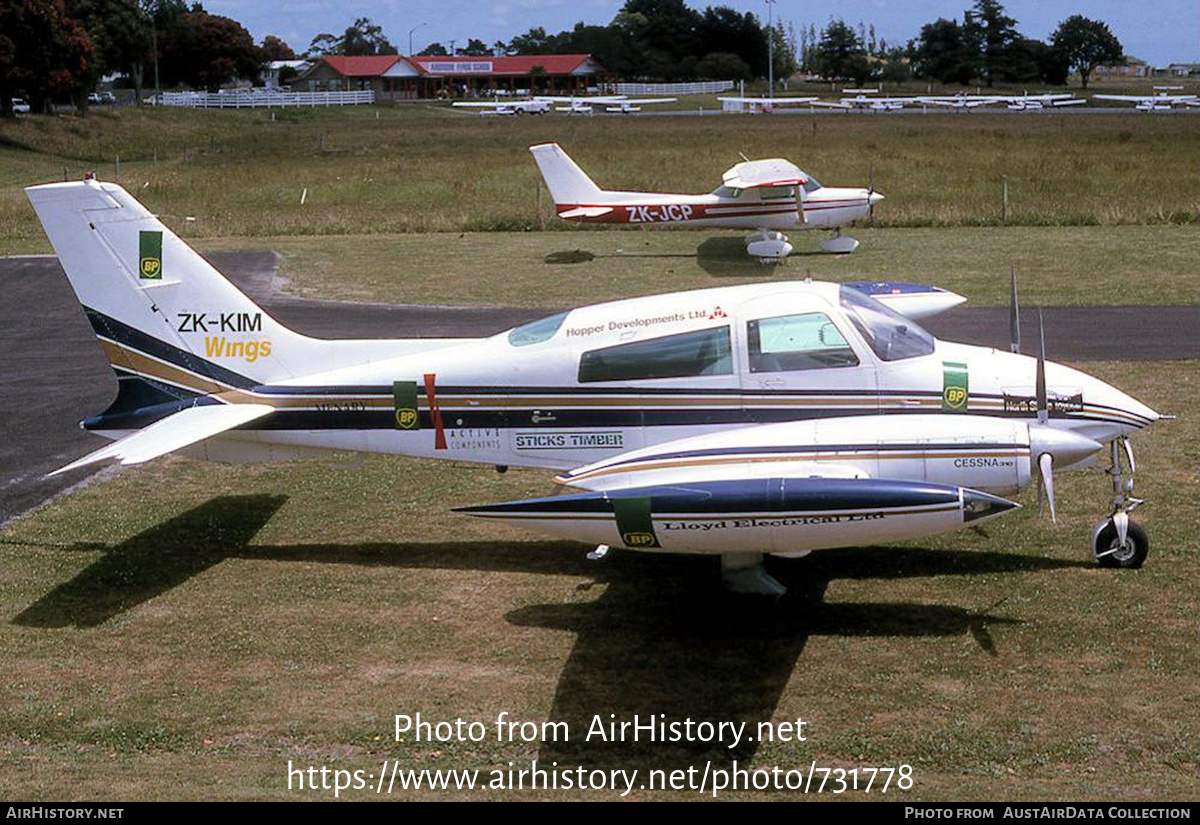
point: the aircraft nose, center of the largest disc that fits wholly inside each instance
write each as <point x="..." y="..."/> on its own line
<point x="874" y="198"/>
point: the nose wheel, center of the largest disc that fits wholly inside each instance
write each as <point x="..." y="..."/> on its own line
<point x="1118" y="541"/>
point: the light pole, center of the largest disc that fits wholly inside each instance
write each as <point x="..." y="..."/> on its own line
<point x="410" y="34"/>
<point x="770" y="48"/>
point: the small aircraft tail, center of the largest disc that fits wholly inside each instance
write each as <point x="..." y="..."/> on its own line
<point x="191" y="352"/>
<point x="160" y="310"/>
<point x="568" y="184"/>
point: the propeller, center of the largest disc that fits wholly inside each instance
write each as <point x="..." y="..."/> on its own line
<point x="1045" y="461"/>
<point x="871" y="193"/>
<point x="1014" y="312"/>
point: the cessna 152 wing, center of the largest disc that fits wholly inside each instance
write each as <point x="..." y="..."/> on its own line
<point x="537" y="106"/>
<point x="1160" y="102"/>
<point x="738" y="421"/>
<point x="765" y="195"/>
<point x="619" y="104"/>
<point x="755" y="105"/>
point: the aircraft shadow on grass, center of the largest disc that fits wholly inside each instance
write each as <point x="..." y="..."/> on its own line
<point x="723" y="256"/>
<point x="662" y="638"/>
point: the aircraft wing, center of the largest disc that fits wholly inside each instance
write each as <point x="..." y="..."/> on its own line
<point x="752" y="174"/>
<point x="174" y="432"/>
<point x="769" y="101"/>
<point x="648" y="100"/>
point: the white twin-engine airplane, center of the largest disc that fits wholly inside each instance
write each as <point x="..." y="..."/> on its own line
<point x="738" y="421"/>
<point x="765" y="195"/>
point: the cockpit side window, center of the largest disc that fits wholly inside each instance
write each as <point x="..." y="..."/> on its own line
<point x="776" y="193"/>
<point x="702" y="352"/>
<point x="807" y="341"/>
<point x="535" y="332"/>
<point x="889" y="334"/>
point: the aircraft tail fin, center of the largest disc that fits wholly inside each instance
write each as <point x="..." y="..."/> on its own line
<point x="568" y="184"/>
<point x="160" y="310"/>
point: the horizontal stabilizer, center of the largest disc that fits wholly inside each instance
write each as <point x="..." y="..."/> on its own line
<point x="585" y="212"/>
<point x="174" y="432"/>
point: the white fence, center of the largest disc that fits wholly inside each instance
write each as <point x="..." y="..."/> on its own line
<point x="262" y="98"/>
<point x="710" y="87"/>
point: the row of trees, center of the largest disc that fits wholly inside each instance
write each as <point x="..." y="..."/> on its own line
<point x="985" y="45"/>
<point x="59" y="49"/>
<point x="664" y="39"/>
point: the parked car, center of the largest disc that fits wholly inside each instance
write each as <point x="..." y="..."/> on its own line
<point x="20" y="105"/>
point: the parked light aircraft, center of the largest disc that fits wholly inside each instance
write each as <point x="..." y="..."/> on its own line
<point x="534" y="106"/>
<point x="756" y="105"/>
<point x="1022" y="102"/>
<point x="765" y="195"/>
<point x="765" y="418"/>
<point x="619" y="104"/>
<point x="1160" y="101"/>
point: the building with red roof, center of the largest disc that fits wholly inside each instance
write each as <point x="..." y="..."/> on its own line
<point x="397" y="77"/>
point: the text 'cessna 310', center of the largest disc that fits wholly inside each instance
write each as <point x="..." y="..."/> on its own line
<point x="769" y="196"/>
<point x="739" y="421"/>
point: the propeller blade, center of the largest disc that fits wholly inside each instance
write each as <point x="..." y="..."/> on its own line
<point x="1043" y="409"/>
<point x="871" y="192"/>
<point x="1014" y="312"/>
<point x="1046" y="482"/>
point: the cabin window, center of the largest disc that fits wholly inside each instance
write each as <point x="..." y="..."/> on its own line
<point x="703" y="352"/>
<point x="535" y="332"/>
<point x="889" y="334"/>
<point x="808" y="341"/>
<point x="776" y="193"/>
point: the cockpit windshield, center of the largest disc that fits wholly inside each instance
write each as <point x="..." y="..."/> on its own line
<point x="890" y="335"/>
<point x="724" y="191"/>
<point x="535" y="332"/>
<point x="812" y="185"/>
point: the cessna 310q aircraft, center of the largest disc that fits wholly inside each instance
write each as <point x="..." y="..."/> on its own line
<point x="766" y="195"/>
<point x="739" y="421"/>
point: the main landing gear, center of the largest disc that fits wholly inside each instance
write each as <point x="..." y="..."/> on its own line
<point x="768" y="246"/>
<point x="1118" y="541"/>
<point x="839" y="244"/>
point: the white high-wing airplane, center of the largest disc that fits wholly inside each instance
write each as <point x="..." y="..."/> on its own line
<point x="612" y="103"/>
<point x="1160" y="101"/>
<point x="535" y="106"/>
<point x="756" y="105"/>
<point x="765" y="195"/>
<point x="1021" y="102"/>
<point x="738" y="421"/>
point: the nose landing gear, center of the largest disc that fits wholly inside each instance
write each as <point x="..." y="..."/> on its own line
<point x="1118" y="541"/>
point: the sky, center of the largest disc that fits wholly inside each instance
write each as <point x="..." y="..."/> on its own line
<point x="1161" y="32"/>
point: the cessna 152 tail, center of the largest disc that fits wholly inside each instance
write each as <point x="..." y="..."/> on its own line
<point x="739" y="421"/>
<point x="766" y="195"/>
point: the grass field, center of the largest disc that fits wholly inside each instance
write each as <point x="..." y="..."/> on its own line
<point x="1056" y="265"/>
<point x="419" y="169"/>
<point x="183" y="630"/>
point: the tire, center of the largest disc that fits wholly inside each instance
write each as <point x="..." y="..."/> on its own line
<point x="1130" y="557"/>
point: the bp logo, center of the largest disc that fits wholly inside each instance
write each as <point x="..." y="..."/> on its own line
<point x="406" y="419"/>
<point x="955" y="388"/>
<point x="638" y="539"/>
<point x="150" y="255"/>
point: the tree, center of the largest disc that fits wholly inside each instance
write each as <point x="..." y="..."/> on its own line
<point x="534" y="41"/>
<point x="475" y="48"/>
<point x="122" y="38"/>
<point x="434" y="49"/>
<point x="783" y="53"/>
<point x="722" y="30"/>
<point x="722" y="66"/>
<point x="44" y="53"/>
<point x="840" y="54"/>
<point x="994" y="34"/>
<point x="1085" y="44"/>
<point x="944" y="53"/>
<point x="273" y="48"/>
<point x="365" y="37"/>
<point x="205" y="51"/>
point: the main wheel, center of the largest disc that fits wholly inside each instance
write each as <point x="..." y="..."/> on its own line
<point x="1128" y="556"/>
